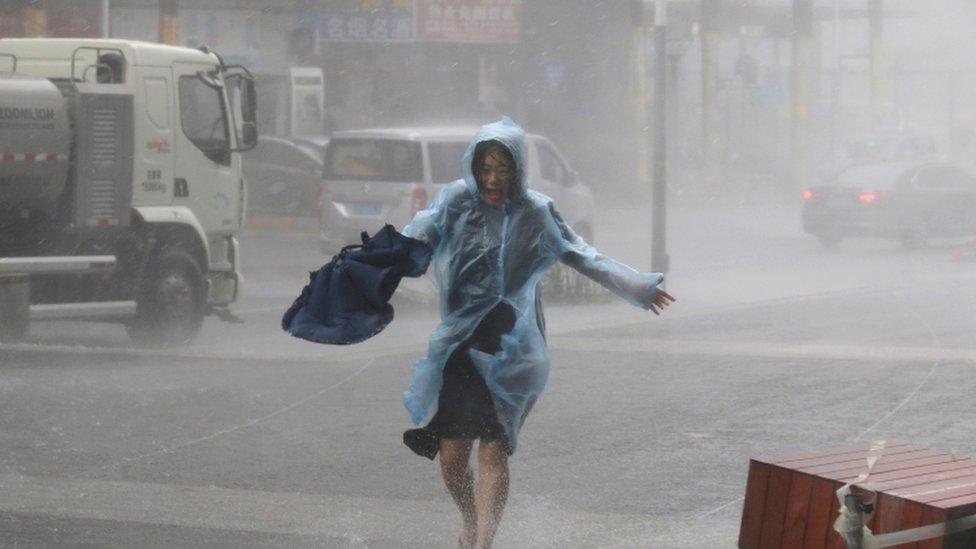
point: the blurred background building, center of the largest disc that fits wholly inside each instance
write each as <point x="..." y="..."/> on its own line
<point x="761" y="93"/>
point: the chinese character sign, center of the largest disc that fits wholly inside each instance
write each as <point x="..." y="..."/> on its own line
<point x="495" y="21"/>
<point x="389" y="25"/>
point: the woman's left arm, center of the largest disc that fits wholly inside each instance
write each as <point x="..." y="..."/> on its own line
<point x="640" y="289"/>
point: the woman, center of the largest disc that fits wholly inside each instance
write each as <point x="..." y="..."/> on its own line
<point x="493" y="240"/>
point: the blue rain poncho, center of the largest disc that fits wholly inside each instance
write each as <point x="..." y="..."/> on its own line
<point x="485" y="255"/>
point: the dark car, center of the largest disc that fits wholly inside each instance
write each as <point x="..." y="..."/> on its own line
<point x="908" y="202"/>
<point x="283" y="177"/>
<point x="887" y="145"/>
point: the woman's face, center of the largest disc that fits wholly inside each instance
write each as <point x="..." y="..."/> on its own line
<point x="496" y="176"/>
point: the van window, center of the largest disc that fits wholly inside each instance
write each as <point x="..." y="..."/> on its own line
<point x="374" y="160"/>
<point x="445" y="160"/>
<point x="550" y="165"/>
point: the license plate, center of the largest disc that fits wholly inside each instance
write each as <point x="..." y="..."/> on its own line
<point x="365" y="209"/>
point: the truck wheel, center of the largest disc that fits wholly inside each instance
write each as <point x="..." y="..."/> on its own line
<point x="172" y="301"/>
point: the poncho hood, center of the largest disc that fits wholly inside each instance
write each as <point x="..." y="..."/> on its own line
<point x="508" y="133"/>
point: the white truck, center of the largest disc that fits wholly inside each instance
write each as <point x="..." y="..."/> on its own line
<point x="120" y="184"/>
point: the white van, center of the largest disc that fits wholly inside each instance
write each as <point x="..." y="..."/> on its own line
<point x="372" y="177"/>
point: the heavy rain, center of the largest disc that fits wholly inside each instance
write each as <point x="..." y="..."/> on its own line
<point x="173" y="173"/>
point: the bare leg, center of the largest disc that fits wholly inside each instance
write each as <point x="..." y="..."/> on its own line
<point x="456" y="470"/>
<point x="492" y="490"/>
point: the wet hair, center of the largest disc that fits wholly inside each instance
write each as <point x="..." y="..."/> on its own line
<point x="483" y="149"/>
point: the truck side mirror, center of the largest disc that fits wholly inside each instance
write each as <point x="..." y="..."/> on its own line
<point x="249" y="136"/>
<point x="241" y="90"/>
<point x="249" y="108"/>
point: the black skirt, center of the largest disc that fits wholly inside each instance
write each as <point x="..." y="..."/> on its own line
<point x="465" y="409"/>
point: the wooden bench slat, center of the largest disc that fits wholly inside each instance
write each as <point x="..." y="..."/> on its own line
<point x="774" y="509"/>
<point x="855" y="457"/>
<point x="752" y="507"/>
<point x="904" y="466"/>
<point x="819" y="523"/>
<point x="797" y="510"/>
<point x="840" y="469"/>
<point x="919" y="475"/>
<point x="861" y="448"/>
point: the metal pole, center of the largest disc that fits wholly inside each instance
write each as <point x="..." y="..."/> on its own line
<point x="659" y="255"/>
<point x="639" y="17"/>
<point x="709" y="73"/>
<point x="105" y="19"/>
<point x="802" y="90"/>
<point x="876" y="51"/>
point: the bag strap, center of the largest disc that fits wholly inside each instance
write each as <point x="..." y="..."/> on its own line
<point x="349" y="247"/>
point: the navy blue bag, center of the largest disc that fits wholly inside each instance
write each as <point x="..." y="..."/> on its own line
<point x="347" y="300"/>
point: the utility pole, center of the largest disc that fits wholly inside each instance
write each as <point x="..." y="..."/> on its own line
<point x="709" y="33"/>
<point x="802" y="91"/>
<point x="659" y="255"/>
<point x="105" y="19"/>
<point x="638" y="17"/>
<point x="876" y="53"/>
<point x="169" y="22"/>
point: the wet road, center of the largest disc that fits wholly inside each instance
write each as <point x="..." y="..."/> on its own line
<point x="250" y="438"/>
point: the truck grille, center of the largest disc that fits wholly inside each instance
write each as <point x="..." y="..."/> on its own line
<point x="101" y="201"/>
<point x="104" y="160"/>
<point x="104" y="135"/>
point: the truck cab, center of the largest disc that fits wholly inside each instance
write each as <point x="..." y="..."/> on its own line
<point x="152" y="177"/>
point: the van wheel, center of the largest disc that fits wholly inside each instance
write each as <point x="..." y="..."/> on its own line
<point x="172" y="301"/>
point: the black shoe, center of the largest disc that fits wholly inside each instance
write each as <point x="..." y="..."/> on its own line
<point x="423" y="442"/>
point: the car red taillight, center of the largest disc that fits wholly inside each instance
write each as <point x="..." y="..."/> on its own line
<point x="418" y="200"/>
<point x="807" y="194"/>
<point x="868" y="198"/>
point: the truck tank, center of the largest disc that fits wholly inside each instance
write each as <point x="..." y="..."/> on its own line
<point x="35" y="142"/>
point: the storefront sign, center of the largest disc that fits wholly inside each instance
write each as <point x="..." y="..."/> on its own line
<point x="494" y="21"/>
<point x="367" y="21"/>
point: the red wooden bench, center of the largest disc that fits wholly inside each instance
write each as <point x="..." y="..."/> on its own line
<point x="791" y="500"/>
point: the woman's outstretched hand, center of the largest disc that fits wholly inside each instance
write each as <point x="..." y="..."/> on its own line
<point x="660" y="300"/>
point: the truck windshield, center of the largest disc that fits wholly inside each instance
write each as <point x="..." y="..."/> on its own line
<point x="202" y="114"/>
